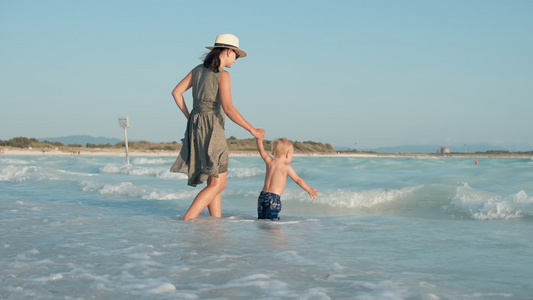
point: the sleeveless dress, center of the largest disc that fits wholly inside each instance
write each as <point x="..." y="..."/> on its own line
<point x="204" y="152"/>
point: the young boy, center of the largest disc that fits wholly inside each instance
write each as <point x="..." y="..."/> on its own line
<point x="277" y="170"/>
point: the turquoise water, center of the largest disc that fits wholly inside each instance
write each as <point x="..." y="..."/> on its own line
<point x="384" y="228"/>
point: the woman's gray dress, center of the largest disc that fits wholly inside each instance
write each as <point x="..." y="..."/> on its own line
<point x="205" y="151"/>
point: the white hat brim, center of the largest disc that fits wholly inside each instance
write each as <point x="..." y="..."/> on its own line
<point x="241" y="52"/>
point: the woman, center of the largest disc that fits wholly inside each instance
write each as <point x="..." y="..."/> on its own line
<point x="204" y="155"/>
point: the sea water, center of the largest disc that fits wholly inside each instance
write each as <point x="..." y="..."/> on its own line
<point x="80" y="227"/>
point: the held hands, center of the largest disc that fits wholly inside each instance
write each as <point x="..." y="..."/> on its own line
<point x="258" y="133"/>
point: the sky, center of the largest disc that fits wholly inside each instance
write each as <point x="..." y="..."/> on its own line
<point x="357" y="74"/>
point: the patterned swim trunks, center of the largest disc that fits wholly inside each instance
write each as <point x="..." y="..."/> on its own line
<point x="268" y="206"/>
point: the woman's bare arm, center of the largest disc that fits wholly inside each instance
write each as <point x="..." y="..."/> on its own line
<point x="178" y="92"/>
<point x="224" y="85"/>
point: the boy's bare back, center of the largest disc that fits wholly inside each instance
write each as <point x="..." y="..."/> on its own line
<point x="276" y="176"/>
<point x="277" y="170"/>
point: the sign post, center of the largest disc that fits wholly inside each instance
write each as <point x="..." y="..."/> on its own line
<point x="125" y="123"/>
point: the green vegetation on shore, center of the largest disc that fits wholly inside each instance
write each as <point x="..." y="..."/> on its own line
<point x="234" y="144"/>
<point x="247" y="145"/>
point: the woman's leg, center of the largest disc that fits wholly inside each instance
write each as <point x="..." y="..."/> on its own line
<point x="209" y="196"/>
<point x="215" y="207"/>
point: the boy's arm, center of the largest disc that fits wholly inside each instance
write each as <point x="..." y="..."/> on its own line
<point x="262" y="151"/>
<point x="292" y="174"/>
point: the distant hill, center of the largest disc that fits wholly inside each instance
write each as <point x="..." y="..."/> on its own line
<point x="82" y="140"/>
<point x="434" y="148"/>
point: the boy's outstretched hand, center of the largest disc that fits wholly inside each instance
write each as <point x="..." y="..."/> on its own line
<point x="313" y="193"/>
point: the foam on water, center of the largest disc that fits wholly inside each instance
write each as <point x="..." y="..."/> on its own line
<point x="75" y="173"/>
<point x="362" y="199"/>
<point x="16" y="173"/>
<point x="135" y="191"/>
<point x="13" y="161"/>
<point x="20" y="172"/>
<point x="151" y="161"/>
<point x="244" y="172"/>
<point x="482" y="205"/>
<point x="160" y="172"/>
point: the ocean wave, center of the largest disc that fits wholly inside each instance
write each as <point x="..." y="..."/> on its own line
<point x="164" y="172"/>
<point x="135" y="191"/>
<point x="76" y="173"/>
<point x="13" y="173"/>
<point x="13" y="161"/>
<point x="150" y="161"/>
<point x="360" y="199"/>
<point x="159" y="172"/>
<point x="21" y="173"/>
<point x="244" y="172"/>
<point x="113" y="168"/>
<point x="481" y="205"/>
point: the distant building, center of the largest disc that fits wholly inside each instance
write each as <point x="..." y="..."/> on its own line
<point x="444" y="150"/>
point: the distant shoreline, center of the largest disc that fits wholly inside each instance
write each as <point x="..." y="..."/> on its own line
<point x="162" y="153"/>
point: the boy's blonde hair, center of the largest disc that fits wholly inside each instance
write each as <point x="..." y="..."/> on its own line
<point x="281" y="146"/>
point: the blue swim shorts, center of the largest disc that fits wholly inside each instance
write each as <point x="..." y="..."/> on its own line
<point x="268" y="206"/>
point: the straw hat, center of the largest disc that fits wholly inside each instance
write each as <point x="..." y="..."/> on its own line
<point x="228" y="40"/>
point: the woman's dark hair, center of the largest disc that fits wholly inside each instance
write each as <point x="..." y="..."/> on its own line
<point x="212" y="59"/>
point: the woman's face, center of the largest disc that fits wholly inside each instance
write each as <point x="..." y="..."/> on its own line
<point x="231" y="57"/>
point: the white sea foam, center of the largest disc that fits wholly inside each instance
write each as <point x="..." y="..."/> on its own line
<point x="26" y="254"/>
<point x="159" y="172"/>
<point x="76" y="173"/>
<point x="21" y="173"/>
<point x="265" y="282"/>
<point x="51" y="277"/>
<point x="244" y="172"/>
<point x="293" y="257"/>
<point x="16" y="173"/>
<point x="360" y="199"/>
<point x="13" y="161"/>
<point x="150" y="161"/>
<point x="124" y="188"/>
<point x="166" y="174"/>
<point x="483" y="205"/>
<point x="163" y="288"/>
<point x="128" y="169"/>
<point x="135" y="191"/>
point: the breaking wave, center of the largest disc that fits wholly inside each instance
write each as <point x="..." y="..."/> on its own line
<point x="482" y="205"/>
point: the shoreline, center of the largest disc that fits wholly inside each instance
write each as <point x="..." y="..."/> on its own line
<point x="162" y="153"/>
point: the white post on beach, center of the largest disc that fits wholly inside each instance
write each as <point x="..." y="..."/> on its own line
<point x="125" y="123"/>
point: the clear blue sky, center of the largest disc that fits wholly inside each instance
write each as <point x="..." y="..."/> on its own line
<point x="374" y="73"/>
